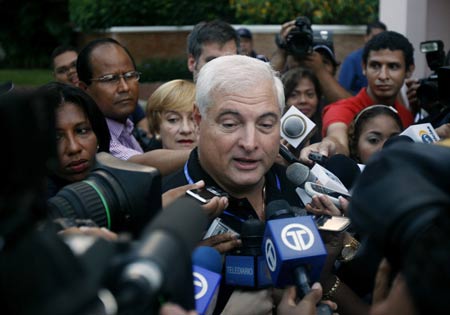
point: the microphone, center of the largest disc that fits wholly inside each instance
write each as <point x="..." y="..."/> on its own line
<point x="396" y="140"/>
<point x="161" y="261"/>
<point x="207" y="275"/>
<point x="287" y="155"/>
<point x="246" y="266"/>
<point x="422" y="133"/>
<point x="344" y="168"/>
<point x="295" y="126"/>
<point x="294" y="251"/>
<point x="298" y="174"/>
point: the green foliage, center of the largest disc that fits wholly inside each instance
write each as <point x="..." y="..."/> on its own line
<point x="349" y="12"/>
<point x="30" y="77"/>
<point x="158" y="69"/>
<point x="30" y="30"/>
<point x="89" y="15"/>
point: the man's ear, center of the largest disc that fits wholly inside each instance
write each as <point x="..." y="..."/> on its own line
<point x="191" y="63"/>
<point x="196" y="114"/>
<point x="363" y="67"/>
<point x="410" y="71"/>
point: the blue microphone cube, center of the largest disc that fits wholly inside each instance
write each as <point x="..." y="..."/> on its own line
<point x="206" y="288"/>
<point x="292" y="242"/>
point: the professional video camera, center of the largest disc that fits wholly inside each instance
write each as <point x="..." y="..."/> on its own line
<point x="118" y="195"/>
<point x="433" y="91"/>
<point x="299" y="41"/>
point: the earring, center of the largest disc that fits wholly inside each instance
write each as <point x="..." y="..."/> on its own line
<point x="98" y="147"/>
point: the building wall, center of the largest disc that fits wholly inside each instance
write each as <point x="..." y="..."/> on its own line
<point x="170" y="42"/>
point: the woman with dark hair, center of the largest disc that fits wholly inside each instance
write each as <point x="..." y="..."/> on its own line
<point x="302" y="90"/>
<point x="81" y="132"/>
<point x="370" y="129"/>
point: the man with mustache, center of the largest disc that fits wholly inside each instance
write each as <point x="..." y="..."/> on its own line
<point x="107" y="72"/>
<point x="387" y="61"/>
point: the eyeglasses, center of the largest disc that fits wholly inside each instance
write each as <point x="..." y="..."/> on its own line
<point x="114" y="79"/>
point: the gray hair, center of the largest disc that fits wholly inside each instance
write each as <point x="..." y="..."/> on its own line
<point x="234" y="74"/>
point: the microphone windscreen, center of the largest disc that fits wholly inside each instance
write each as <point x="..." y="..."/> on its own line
<point x="294" y="126"/>
<point x="297" y="173"/>
<point x="207" y="257"/>
<point x="278" y="209"/>
<point x="183" y="219"/>
<point x="346" y="169"/>
<point x="396" y="140"/>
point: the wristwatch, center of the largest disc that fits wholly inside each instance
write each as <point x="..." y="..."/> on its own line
<point x="349" y="250"/>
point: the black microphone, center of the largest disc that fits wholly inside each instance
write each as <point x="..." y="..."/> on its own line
<point x="287" y="155"/>
<point x="162" y="260"/>
<point x="246" y="267"/>
<point x="298" y="174"/>
<point x="346" y="169"/>
<point x="396" y="140"/>
<point x="294" y="251"/>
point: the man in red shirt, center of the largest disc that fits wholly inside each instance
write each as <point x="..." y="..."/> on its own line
<point x="387" y="61"/>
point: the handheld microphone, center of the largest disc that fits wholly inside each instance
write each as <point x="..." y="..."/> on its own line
<point x="298" y="174"/>
<point x="295" y="126"/>
<point x="162" y="260"/>
<point x="207" y="275"/>
<point x="396" y="140"/>
<point x="294" y="251"/>
<point x="344" y="168"/>
<point x="246" y="266"/>
<point x="422" y="133"/>
<point x="287" y="155"/>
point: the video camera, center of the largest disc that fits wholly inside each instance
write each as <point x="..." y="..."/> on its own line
<point x="118" y="195"/>
<point x="433" y="91"/>
<point x="299" y="41"/>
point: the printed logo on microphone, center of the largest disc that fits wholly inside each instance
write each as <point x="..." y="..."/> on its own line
<point x="200" y="285"/>
<point x="426" y="138"/>
<point x="297" y="237"/>
<point x="271" y="255"/>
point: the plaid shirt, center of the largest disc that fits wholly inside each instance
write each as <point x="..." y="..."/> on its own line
<point x="123" y="145"/>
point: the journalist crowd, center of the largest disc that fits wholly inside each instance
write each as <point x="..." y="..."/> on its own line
<point x="289" y="184"/>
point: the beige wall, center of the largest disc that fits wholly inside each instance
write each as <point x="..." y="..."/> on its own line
<point x="419" y="20"/>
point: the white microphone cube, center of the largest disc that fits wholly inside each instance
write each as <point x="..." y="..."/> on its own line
<point x="422" y="133"/>
<point x="295" y="126"/>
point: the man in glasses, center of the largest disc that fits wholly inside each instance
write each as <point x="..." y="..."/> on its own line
<point x="107" y="72"/>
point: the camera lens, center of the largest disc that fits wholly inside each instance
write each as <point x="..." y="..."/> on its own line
<point x="118" y="195"/>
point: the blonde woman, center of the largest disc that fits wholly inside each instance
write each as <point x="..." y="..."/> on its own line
<point x="169" y="111"/>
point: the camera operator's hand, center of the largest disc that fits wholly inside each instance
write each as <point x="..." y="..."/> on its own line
<point x="411" y="93"/>
<point x="307" y="305"/>
<point x="222" y="242"/>
<point x="279" y="57"/>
